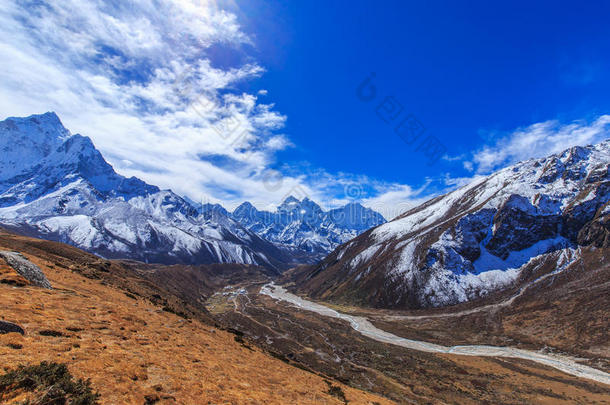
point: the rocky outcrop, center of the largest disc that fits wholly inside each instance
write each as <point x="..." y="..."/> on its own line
<point x="26" y="268"/>
<point x="518" y="225"/>
<point x="596" y="233"/>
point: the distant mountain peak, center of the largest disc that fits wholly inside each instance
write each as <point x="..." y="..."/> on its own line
<point x="355" y="204"/>
<point x="246" y="204"/>
<point x="305" y="225"/>
<point x="244" y="209"/>
<point x="213" y="209"/>
<point x="291" y="200"/>
<point x="25" y="142"/>
<point x="49" y="116"/>
<point x="48" y="124"/>
<point x="58" y="185"/>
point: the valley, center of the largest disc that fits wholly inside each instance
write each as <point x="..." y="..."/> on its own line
<point x="496" y="292"/>
<point x="364" y="327"/>
<point x="208" y="318"/>
<point x="353" y="350"/>
<point x="218" y="202"/>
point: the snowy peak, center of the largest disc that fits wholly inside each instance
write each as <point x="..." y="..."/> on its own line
<point x="78" y="156"/>
<point x="213" y="210"/>
<point x="40" y="129"/>
<point x="479" y="238"/>
<point x="305" y="225"/>
<point x="41" y="156"/>
<point x="357" y="217"/>
<point x="290" y="200"/>
<point x="244" y="209"/>
<point x="26" y="141"/>
<point x="59" y="186"/>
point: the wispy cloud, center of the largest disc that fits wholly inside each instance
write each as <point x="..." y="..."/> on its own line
<point x="394" y="199"/>
<point x="137" y="78"/>
<point x="538" y="140"/>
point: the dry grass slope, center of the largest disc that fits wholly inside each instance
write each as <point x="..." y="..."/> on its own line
<point x="133" y="350"/>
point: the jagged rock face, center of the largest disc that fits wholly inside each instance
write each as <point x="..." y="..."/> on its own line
<point x="477" y="239"/>
<point x="596" y="233"/>
<point x="58" y="186"/>
<point x="518" y="225"/>
<point x="304" y="225"/>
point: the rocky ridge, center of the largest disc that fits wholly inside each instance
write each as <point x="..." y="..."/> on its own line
<point x="486" y="236"/>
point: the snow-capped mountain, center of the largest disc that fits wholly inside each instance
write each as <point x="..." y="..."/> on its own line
<point x="304" y="225"/>
<point x="532" y="218"/>
<point x="58" y="186"/>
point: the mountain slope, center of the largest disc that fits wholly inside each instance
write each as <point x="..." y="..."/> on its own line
<point x="481" y="238"/>
<point x="58" y="186"/>
<point x="305" y="226"/>
<point x="137" y="341"/>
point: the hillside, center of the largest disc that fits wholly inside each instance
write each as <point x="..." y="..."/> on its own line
<point x="497" y="233"/>
<point x="121" y="331"/>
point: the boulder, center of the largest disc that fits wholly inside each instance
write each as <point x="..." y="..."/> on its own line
<point x="9" y="327"/>
<point x="26" y="268"/>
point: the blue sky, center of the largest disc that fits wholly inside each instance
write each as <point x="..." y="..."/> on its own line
<point x="470" y="72"/>
<point x="159" y="85"/>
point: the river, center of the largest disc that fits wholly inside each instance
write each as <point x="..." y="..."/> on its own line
<point x="366" y="328"/>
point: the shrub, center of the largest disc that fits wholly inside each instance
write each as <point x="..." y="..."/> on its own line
<point x="50" y="383"/>
<point x="48" y="332"/>
<point x="151" y="399"/>
<point x="173" y="311"/>
<point x="336" y="391"/>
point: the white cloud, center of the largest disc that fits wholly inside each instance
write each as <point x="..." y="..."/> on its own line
<point x="450" y="158"/>
<point x="538" y="140"/>
<point x="135" y="77"/>
<point x="395" y="199"/>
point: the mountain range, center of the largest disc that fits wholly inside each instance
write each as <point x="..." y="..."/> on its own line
<point x="529" y="220"/>
<point x="58" y="186"/>
<point x="304" y="225"/>
<point x="484" y="237"/>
